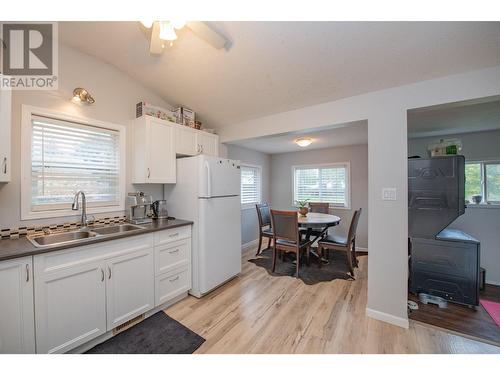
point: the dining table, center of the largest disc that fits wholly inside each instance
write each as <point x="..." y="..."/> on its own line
<point x="319" y="223"/>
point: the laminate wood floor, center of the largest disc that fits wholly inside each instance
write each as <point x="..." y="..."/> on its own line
<point x="457" y="318"/>
<point x="260" y="313"/>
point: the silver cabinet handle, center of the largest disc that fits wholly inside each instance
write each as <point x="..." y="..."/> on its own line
<point x="149" y="172"/>
<point x="102" y="275"/>
<point x="27" y="273"/>
<point x="174" y="279"/>
<point x="109" y="270"/>
<point x="173" y="235"/>
<point x="174" y="251"/>
<point x="5" y="165"/>
<point x="202" y="150"/>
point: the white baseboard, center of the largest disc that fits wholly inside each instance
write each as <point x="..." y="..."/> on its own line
<point x="250" y="244"/>
<point x="364" y="249"/>
<point x="388" y="318"/>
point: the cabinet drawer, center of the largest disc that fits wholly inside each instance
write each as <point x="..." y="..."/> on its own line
<point x="172" y="255"/>
<point x="172" y="284"/>
<point x="171" y="235"/>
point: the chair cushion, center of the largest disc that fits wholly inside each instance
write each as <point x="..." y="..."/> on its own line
<point x="290" y="243"/>
<point x="335" y="239"/>
<point x="267" y="232"/>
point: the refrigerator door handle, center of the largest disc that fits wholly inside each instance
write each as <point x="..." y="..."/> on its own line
<point x="209" y="180"/>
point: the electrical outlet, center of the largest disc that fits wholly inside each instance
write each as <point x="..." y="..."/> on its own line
<point x="389" y="194"/>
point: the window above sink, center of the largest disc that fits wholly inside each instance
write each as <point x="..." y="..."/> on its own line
<point x="62" y="154"/>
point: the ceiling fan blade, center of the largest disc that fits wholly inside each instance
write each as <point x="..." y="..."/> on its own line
<point x="208" y="34"/>
<point x="156" y="45"/>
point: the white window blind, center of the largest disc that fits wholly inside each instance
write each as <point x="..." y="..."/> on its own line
<point x="250" y="185"/>
<point x="67" y="157"/>
<point x="322" y="184"/>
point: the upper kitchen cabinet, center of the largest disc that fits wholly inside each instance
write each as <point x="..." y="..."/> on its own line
<point x="5" y="125"/>
<point x="190" y="142"/>
<point x="186" y="142"/>
<point x="153" y="144"/>
<point x="208" y="143"/>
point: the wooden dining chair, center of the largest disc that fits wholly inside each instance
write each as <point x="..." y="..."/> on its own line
<point x="265" y="229"/>
<point x="287" y="238"/>
<point x="320" y="207"/>
<point x="347" y="244"/>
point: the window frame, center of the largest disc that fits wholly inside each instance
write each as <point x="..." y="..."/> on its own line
<point x="27" y="213"/>
<point x="251" y="205"/>
<point x="484" y="189"/>
<point x="346" y="164"/>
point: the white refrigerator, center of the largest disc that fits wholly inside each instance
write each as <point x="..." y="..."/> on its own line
<point x="208" y="193"/>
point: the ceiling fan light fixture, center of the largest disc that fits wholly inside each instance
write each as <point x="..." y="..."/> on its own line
<point x="178" y="24"/>
<point x="147" y="24"/>
<point x="303" y="142"/>
<point x="167" y="31"/>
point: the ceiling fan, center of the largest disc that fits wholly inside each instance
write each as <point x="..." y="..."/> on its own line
<point x="163" y="34"/>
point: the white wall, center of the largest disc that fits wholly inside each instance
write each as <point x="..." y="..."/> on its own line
<point x="116" y="95"/>
<point x="386" y="112"/>
<point x="249" y="221"/>
<point x="481" y="222"/>
<point x="282" y="182"/>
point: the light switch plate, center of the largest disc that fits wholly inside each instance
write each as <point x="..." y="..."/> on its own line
<point x="389" y="194"/>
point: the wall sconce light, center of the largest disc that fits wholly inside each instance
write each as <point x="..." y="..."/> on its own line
<point x="82" y="95"/>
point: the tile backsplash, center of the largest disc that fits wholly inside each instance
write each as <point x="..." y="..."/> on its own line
<point x="8" y="233"/>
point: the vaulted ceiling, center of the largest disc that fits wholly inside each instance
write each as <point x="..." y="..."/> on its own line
<point x="278" y="66"/>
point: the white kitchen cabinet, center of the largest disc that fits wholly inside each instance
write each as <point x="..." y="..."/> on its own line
<point x="5" y="126"/>
<point x="17" y="324"/>
<point x="190" y="142"/>
<point x="83" y="292"/>
<point x="186" y="142"/>
<point x="70" y="304"/>
<point x="130" y="286"/>
<point x="153" y="151"/>
<point x="208" y="143"/>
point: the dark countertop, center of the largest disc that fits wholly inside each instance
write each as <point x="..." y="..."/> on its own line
<point x="21" y="247"/>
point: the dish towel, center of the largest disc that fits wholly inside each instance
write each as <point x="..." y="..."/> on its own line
<point x="492" y="308"/>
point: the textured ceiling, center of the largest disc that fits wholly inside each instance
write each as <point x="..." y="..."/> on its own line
<point x="353" y="133"/>
<point x="278" y="66"/>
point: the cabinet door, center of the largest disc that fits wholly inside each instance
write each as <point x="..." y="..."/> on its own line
<point x="70" y="306"/>
<point x="129" y="286"/>
<point x="209" y="143"/>
<point x="5" y="125"/>
<point x="17" y="325"/>
<point x="185" y="141"/>
<point x="161" y="165"/>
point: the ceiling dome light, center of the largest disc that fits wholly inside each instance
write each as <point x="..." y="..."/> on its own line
<point x="167" y="31"/>
<point x="303" y="142"/>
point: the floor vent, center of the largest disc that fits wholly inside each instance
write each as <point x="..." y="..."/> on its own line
<point x="128" y="324"/>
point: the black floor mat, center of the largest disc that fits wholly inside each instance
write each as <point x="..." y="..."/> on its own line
<point x="158" y="334"/>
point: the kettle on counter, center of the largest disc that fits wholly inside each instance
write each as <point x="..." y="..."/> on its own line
<point x="160" y="209"/>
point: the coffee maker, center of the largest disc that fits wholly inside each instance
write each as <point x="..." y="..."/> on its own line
<point x="138" y="208"/>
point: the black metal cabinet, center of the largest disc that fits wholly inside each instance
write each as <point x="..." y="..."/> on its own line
<point x="447" y="266"/>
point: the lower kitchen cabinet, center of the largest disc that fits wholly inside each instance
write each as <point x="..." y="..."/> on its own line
<point x="70" y="305"/>
<point x="84" y="292"/>
<point x="17" y="325"/>
<point x="57" y="301"/>
<point x="130" y="286"/>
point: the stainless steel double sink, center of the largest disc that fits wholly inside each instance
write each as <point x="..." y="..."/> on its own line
<point x="80" y="236"/>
